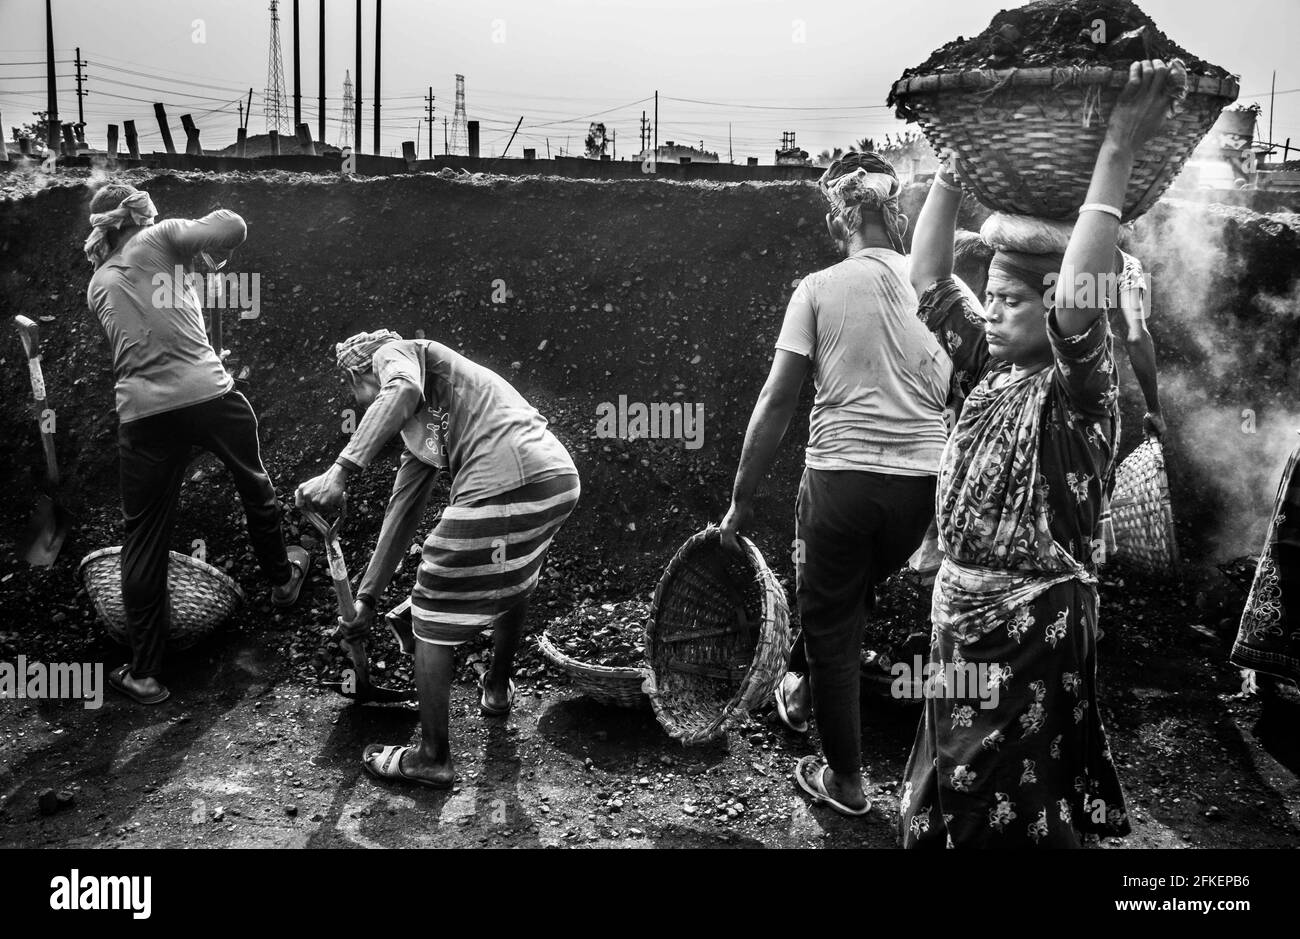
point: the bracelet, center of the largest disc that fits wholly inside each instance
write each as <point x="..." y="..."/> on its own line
<point x="944" y="184"/>
<point x="1101" y="207"/>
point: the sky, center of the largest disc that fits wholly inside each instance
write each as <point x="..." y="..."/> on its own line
<point x="751" y="68"/>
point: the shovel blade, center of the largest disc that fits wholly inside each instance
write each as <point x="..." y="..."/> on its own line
<point x="46" y="532"/>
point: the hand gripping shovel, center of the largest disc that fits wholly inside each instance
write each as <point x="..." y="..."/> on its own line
<point x="49" y="523"/>
<point x="360" y="689"/>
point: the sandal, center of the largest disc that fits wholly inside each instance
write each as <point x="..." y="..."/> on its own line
<point x="487" y="709"/>
<point x="117" y="680"/>
<point x="300" y="561"/>
<point x="816" y="787"/>
<point x="782" y="708"/>
<point x="386" y="763"/>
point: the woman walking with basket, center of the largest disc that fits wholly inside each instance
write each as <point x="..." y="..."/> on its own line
<point x="1019" y="757"/>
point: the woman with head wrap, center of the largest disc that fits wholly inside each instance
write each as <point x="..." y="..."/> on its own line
<point x="875" y="435"/>
<point x="513" y="484"/>
<point x="173" y="394"/>
<point x="1011" y="750"/>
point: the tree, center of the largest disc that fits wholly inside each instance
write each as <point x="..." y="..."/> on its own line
<point x="827" y="157"/>
<point x="596" y="141"/>
<point x="34" y="131"/>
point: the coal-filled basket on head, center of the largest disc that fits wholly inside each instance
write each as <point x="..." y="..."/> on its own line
<point x="718" y="640"/>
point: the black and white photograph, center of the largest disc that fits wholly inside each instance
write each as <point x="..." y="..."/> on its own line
<point x="742" y="428"/>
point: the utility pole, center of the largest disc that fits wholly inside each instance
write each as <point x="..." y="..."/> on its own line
<point x="357" y="103"/>
<point x="512" y="136"/>
<point x="444" y="135"/>
<point x="81" y="112"/>
<point x="379" y="11"/>
<point x="656" y="123"/>
<point x="613" y="136"/>
<point x="731" y="156"/>
<point x="51" y="92"/>
<point x="1272" y="96"/>
<point x="297" y="73"/>
<point x="643" y="132"/>
<point x="429" y="102"/>
<point x="320" y="77"/>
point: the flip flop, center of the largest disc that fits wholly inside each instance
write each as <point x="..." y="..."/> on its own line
<point x="781" y="707"/>
<point x="486" y="708"/>
<point x="817" y="788"/>
<point x="300" y="558"/>
<point x="116" y="680"/>
<point x="386" y="764"/>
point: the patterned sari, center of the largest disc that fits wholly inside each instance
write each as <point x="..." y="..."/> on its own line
<point x="1268" y="639"/>
<point x="1011" y="750"/>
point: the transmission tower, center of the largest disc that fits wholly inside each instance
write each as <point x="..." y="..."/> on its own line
<point x="459" y="125"/>
<point x="345" y="134"/>
<point x="274" y="102"/>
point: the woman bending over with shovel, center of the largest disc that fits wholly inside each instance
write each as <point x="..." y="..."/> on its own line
<point x="513" y="484"/>
<point x="1011" y="750"/>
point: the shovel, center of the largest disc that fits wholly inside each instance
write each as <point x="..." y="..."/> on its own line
<point x="49" y="523"/>
<point x="359" y="689"/>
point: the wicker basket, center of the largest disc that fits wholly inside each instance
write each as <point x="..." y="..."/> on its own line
<point x="201" y="596"/>
<point x="1141" y="512"/>
<point x="718" y="640"/>
<point x="1026" y="140"/>
<point x="603" y="683"/>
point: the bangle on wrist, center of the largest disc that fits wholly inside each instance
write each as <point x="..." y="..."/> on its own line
<point x="1101" y="207"/>
<point x="944" y="184"/>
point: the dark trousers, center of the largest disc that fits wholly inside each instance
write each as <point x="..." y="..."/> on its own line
<point x="155" y="452"/>
<point x="855" y="528"/>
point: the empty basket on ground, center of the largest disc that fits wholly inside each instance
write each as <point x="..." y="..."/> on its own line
<point x="604" y="683"/>
<point x="718" y="639"/>
<point x="201" y="596"/>
<point x="1141" y="512"/>
<point x="1026" y="139"/>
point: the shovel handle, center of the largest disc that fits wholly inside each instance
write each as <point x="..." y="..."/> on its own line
<point x="30" y="333"/>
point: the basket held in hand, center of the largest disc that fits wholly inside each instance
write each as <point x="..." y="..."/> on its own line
<point x="718" y="641"/>
<point x="1141" y="512"/>
<point x="201" y="596"/>
<point x="1026" y="140"/>
<point x="603" y="683"/>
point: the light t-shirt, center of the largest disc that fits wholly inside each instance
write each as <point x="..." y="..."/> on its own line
<point x="881" y="377"/>
<point x="162" y="358"/>
<point x="470" y="421"/>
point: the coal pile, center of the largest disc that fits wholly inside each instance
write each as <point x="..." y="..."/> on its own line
<point x="608" y="634"/>
<point x="1061" y="34"/>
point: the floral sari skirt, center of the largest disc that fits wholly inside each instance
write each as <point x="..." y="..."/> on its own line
<point x="1011" y="751"/>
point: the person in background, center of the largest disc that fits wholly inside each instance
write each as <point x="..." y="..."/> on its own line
<point x="513" y="485"/>
<point x="1011" y="750"/>
<point x="173" y="395"/>
<point x="876" y="431"/>
<point x="1268" y="638"/>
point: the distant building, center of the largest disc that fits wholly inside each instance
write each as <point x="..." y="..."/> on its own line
<point x="671" y="152"/>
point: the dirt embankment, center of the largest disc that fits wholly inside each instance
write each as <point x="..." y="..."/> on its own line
<point x="659" y="292"/>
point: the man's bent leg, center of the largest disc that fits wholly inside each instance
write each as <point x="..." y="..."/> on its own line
<point x="229" y="430"/>
<point x="506" y="633"/>
<point x="434" y="665"/>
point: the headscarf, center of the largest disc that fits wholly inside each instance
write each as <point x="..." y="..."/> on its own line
<point x="861" y="180"/>
<point x="136" y="209"/>
<point x="1030" y="269"/>
<point x="357" y="352"/>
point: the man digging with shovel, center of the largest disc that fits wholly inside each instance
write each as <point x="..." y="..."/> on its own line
<point x="513" y="484"/>
<point x="173" y="394"/>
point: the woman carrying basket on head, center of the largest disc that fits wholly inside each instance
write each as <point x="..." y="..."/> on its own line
<point x="1011" y="749"/>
